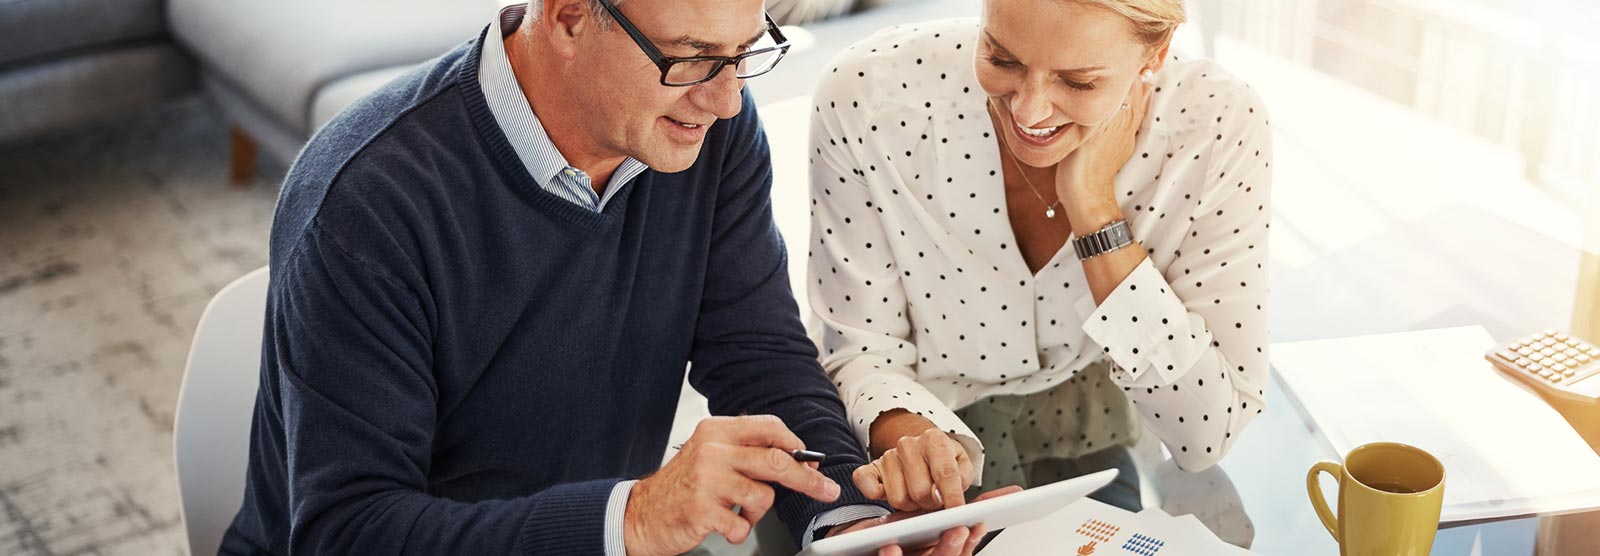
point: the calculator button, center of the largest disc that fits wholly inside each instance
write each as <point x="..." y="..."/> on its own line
<point x="1547" y="361"/>
<point x="1549" y="331"/>
<point x="1547" y="342"/>
<point x="1594" y="352"/>
<point x="1568" y="373"/>
<point x="1545" y="373"/>
<point x="1583" y="358"/>
<point x="1535" y="367"/>
<point x="1570" y="352"/>
<point x="1556" y="378"/>
<point x="1525" y="351"/>
<point x="1523" y="362"/>
<point x="1558" y="367"/>
<point x="1561" y="336"/>
<point x="1571" y="342"/>
<point x="1547" y="352"/>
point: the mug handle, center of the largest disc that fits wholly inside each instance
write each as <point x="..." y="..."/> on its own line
<point x="1314" y="490"/>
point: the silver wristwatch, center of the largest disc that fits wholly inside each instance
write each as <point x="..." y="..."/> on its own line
<point x="1110" y="238"/>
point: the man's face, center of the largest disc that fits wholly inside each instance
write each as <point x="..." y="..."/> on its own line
<point x="631" y="113"/>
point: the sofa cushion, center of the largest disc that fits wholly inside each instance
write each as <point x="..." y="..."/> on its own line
<point x="338" y="95"/>
<point x="39" y="28"/>
<point x="51" y="96"/>
<point x="280" y="53"/>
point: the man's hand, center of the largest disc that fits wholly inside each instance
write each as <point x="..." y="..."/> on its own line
<point x="727" y="462"/>
<point x="956" y="541"/>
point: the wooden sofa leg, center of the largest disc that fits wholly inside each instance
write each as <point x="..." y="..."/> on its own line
<point x="242" y="160"/>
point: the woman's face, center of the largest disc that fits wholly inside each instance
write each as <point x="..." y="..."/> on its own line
<point x="1054" y="72"/>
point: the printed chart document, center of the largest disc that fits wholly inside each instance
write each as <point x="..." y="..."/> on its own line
<point x="1505" y="451"/>
<point x="1089" y="528"/>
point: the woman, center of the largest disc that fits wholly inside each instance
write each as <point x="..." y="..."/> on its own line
<point x="974" y="339"/>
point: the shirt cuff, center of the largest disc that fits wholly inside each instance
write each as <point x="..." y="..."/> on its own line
<point x="616" y="506"/>
<point x="840" y="516"/>
<point x="888" y="392"/>
<point x="1142" y="325"/>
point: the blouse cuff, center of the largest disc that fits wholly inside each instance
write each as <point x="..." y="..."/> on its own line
<point x="1143" y="326"/>
<point x="887" y="392"/>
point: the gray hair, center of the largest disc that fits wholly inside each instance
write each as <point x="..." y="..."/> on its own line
<point x="601" y="16"/>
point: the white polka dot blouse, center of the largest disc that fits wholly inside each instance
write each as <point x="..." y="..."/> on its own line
<point x="926" y="304"/>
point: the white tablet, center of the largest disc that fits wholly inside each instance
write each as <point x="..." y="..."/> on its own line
<point x="994" y="513"/>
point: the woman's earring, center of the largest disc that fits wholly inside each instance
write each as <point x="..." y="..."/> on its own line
<point x="1146" y="75"/>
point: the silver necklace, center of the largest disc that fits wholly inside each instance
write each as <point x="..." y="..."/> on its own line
<point x="1049" y="208"/>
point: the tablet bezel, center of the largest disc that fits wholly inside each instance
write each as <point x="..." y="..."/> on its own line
<point x="995" y="513"/>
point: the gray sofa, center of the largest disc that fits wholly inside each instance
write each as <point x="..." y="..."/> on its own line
<point x="277" y="70"/>
<point x="64" y="63"/>
<point x="280" y="69"/>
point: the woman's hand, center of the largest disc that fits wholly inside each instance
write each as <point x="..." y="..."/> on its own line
<point x="1086" y="178"/>
<point x="928" y="470"/>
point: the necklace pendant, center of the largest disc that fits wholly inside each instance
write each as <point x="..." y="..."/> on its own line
<point x="1050" y="212"/>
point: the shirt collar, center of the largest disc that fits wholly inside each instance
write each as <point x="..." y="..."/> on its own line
<point x="516" y="117"/>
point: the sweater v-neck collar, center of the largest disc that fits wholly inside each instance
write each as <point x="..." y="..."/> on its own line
<point x="511" y="166"/>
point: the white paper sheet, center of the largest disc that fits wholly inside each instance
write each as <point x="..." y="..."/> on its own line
<point x="1090" y="528"/>
<point x="1505" y="451"/>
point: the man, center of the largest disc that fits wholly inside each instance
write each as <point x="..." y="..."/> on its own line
<point x="487" y="278"/>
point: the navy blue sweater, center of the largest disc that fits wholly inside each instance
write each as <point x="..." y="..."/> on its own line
<point x="458" y="362"/>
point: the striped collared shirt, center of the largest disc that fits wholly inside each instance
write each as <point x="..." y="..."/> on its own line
<point x="527" y="136"/>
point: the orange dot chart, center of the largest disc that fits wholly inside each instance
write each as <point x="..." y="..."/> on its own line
<point x="1098" y="530"/>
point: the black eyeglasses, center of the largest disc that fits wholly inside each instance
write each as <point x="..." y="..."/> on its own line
<point x="683" y="72"/>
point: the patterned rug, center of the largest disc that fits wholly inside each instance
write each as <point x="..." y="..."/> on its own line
<point x="112" y="240"/>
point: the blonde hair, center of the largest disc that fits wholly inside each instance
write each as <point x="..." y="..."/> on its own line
<point x="1153" y="20"/>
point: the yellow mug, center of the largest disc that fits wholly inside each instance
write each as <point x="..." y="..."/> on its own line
<point x="1389" y="500"/>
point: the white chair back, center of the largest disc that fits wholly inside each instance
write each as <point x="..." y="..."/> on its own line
<point x="211" y="431"/>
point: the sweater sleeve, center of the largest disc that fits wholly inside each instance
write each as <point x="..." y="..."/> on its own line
<point x="751" y="354"/>
<point x="357" y="398"/>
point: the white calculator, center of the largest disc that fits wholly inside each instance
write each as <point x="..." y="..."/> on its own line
<point x="1555" y="363"/>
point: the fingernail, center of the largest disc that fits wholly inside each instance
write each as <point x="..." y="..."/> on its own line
<point x="831" y="488"/>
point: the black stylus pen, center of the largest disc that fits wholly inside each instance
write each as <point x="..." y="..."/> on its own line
<point x="807" y="456"/>
<point x="804" y="456"/>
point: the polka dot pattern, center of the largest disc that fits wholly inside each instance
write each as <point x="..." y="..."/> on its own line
<point x="925" y="304"/>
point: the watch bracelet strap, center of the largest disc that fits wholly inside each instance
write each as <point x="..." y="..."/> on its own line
<point x="1110" y="238"/>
